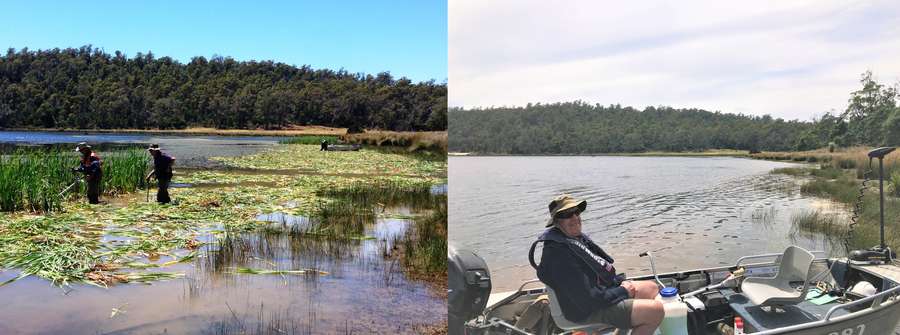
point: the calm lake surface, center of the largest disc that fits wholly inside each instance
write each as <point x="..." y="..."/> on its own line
<point x="690" y="211"/>
<point x="190" y="150"/>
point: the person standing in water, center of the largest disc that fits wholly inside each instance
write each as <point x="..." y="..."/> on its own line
<point x="162" y="170"/>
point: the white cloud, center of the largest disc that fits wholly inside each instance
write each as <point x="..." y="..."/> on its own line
<point x="794" y="60"/>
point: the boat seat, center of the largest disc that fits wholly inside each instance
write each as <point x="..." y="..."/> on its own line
<point x="560" y="320"/>
<point x="759" y="319"/>
<point x="789" y="285"/>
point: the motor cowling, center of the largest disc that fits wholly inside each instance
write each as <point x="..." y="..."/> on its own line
<point x="469" y="282"/>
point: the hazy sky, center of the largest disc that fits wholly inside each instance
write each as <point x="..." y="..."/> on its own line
<point x="407" y="38"/>
<point x="788" y="59"/>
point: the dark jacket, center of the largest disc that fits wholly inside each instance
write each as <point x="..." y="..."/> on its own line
<point x="91" y="167"/>
<point x="580" y="273"/>
<point x="162" y="166"/>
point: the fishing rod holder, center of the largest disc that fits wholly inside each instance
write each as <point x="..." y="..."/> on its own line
<point x="879" y="253"/>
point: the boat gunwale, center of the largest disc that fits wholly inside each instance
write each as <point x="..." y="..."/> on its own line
<point x="885" y="301"/>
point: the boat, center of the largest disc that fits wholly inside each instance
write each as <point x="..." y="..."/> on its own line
<point x="796" y="292"/>
<point x="853" y="311"/>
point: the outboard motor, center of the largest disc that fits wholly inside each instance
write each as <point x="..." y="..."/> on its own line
<point x="469" y="282"/>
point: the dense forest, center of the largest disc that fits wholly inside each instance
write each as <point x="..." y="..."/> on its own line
<point x="88" y="88"/>
<point x="872" y="118"/>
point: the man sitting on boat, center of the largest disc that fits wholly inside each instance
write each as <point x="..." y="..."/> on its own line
<point x="584" y="279"/>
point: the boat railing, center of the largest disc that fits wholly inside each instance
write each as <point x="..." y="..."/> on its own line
<point x="777" y="256"/>
<point x="521" y="291"/>
<point x="876" y="300"/>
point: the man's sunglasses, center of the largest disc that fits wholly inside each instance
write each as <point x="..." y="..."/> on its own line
<point x="568" y="214"/>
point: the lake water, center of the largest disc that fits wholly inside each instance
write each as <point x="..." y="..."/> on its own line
<point x="690" y="211"/>
<point x="190" y="150"/>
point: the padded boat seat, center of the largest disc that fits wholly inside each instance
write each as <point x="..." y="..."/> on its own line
<point x="789" y="285"/>
<point x="562" y="322"/>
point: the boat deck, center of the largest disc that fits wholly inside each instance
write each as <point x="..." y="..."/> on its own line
<point x="887" y="271"/>
<point x="766" y="319"/>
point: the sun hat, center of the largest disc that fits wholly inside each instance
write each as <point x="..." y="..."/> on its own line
<point x="153" y="147"/>
<point x="82" y="145"/>
<point x="562" y="203"/>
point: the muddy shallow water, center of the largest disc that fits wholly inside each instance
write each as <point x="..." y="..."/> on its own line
<point x="361" y="292"/>
<point x="691" y="212"/>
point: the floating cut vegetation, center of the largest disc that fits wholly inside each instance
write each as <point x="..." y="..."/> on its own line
<point x="33" y="179"/>
<point x="362" y="162"/>
<point x="52" y="248"/>
<point x="250" y="271"/>
<point x="342" y="193"/>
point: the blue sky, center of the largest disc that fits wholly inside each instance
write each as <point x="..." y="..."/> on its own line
<point x="790" y="59"/>
<point x="407" y="38"/>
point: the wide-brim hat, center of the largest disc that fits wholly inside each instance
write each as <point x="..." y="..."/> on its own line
<point x="82" y="145"/>
<point x="153" y="147"/>
<point x="562" y="203"/>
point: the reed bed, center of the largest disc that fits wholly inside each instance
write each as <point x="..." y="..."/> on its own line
<point x="310" y="139"/>
<point x="33" y="179"/>
<point x="425" y="246"/>
<point x="412" y="141"/>
<point x="845" y="175"/>
<point x="386" y="193"/>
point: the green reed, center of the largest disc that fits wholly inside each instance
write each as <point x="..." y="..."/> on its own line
<point x="425" y="246"/>
<point x="310" y="139"/>
<point x="33" y="179"/>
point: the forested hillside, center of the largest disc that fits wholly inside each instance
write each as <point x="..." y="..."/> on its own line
<point x="871" y="118"/>
<point x="88" y="88"/>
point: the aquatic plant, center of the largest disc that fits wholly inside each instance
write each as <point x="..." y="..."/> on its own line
<point x="842" y="189"/>
<point x="363" y="162"/>
<point x="791" y="171"/>
<point x="34" y="179"/>
<point x="412" y="141"/>
<point x="216" y="227"/>
<point x="425" y="246"/>
<point x="310" y="139"/>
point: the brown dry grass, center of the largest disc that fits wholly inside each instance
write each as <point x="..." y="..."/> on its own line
<point x="412" y="140"/>
<point x="845" y="158"/>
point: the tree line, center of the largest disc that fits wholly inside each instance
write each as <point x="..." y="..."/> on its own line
<point x="872" y="118"/>
<point x="87" y="88"/>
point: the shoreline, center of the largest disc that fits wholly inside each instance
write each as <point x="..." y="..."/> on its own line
<point x="710" y="153"/>
<point x="294" y="131"/>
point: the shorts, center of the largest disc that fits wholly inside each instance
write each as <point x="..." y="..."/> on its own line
<point x="618" y="315"/>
